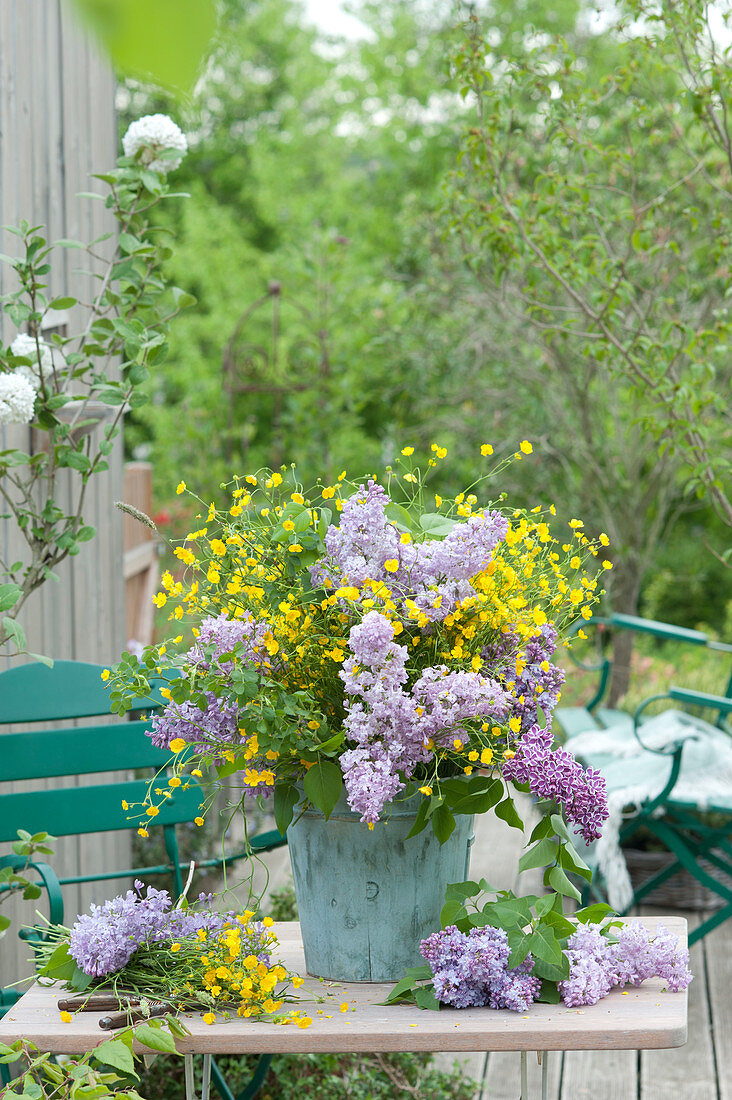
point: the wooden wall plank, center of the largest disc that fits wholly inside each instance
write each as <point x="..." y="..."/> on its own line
<point x="57" y="125"/>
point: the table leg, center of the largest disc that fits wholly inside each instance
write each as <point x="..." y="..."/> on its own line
<point x="206" y="1086"/>
<point x="190" y="1087"/>
<point x="524" y="1076"/>
<point x="544" y="1055"/>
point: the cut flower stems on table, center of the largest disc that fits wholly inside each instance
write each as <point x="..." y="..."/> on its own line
<point x="374" y="639"/>
<point x="187" y="958"/>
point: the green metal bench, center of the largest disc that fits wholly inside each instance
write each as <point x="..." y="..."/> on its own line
<point x="593" y="715"/>
<point x="32" y="694"/>
<point x="692" y="831"/>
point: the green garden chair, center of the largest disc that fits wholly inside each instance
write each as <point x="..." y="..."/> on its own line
<point x="33" y="693"/>
<point x="669" y="779"/>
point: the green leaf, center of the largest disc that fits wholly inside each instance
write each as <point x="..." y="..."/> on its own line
<point x="42" y="659"/>
<point x="332" y="744"/>
<point x="560" y="827"/>
<point x="400" y="516"/>
<point x="133" y="32"/>
<point x="401" y="991"/>
<point x="432" y="523"/>
<point x="116" y="1053"/>
<point x="593" y="914"/>
<point x="425" y="997"/>
<point x="554" y="972"/>
<point x="15" y="631"/>
<point x="443" y="823"/>
<point x="461" y="890"/>
<point x="60" y="965"/>
<point x="561" y="924"/>
<point x="557" y="879"/>
<point x="62" y="303"/>
<point x="155" y="1038"/>
<point x="452" y="911"/>
<point x="182" y="298"/>
<point x="426" y="808"/>
<point x="323" y="784"/>
<point x="506" y="810"/>
<point x="544" y="945"/>
<point x="5" y="922"/>
<point x="542" y="854"/>
<point x="544" y="904"/>
<point x="9" y="595"/>
<point x="549" y="993"/>
<point x="286" y="797"/>
<point x="570" y="860"/>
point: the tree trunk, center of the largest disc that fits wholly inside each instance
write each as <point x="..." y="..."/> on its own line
<point x="625" y="592"/>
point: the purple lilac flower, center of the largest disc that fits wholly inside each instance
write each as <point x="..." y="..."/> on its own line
<point x="556" y="775"/>
<point x="596" y="964"/>
<point x="448" y="698"/>
<point x="435" y="574"/>
<point x="223" y="634"/>
<point x="471" y="969"/>
<point x="390" y="726"/>
<point x="535" y="685"/>
<point x="104" y="940"/>
<point x="217" y="725"/>
<point x="363" y="540"/>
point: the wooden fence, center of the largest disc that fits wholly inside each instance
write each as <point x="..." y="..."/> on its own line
<point x="57" y="127"/>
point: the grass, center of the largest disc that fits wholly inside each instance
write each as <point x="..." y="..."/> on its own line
<point x="655" y="666"/>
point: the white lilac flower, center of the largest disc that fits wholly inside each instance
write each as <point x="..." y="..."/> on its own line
<point x="25" y="346"/>
<point x="17" y="398"/>
<point x="151" y="135"/>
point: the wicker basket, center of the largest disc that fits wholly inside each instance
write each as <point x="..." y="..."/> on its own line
<point x="681" y="891"/>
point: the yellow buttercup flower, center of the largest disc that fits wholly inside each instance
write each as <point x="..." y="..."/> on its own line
<point x="180" y="487"/>
<point x="525" y="447"/>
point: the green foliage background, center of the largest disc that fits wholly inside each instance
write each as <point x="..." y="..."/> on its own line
<point x="330" y="197"/>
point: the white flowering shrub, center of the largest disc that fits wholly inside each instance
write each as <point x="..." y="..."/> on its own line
<point x="155" y="142"/>
<point x="58" y="385"/>
<point x="17" y="398"/>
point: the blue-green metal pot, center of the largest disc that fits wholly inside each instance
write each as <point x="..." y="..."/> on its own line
<point x="366" y="898"/>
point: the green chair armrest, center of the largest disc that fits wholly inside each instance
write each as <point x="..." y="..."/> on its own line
<point x="701" y="699"/>
<point x="658" y="629"/>
<point x="49" y="881"/>
<point x="668" y="750"/>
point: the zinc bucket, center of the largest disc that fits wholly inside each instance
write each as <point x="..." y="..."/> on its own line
<point x="366" y="898"/>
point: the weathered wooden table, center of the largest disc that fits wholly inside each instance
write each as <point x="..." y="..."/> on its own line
<point x="634" y="1019"/>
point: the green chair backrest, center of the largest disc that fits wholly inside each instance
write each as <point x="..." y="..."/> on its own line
<point x="34" y="693"/>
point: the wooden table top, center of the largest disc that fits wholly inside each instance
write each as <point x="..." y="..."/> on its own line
<point x="636" y="1019"/>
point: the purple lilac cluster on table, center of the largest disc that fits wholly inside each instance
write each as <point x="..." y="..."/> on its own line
<point x="104" y="940"/>
<point x="596" y="964"/>
<point x="470" y="969"/>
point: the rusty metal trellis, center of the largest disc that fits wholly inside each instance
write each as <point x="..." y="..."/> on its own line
<point x="262" y="368"/>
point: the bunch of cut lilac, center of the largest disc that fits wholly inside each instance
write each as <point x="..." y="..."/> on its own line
<point x="470" y="969"/>
<point x="104" y="940"/>
<point x="596" y="964"/>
